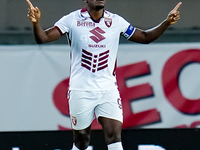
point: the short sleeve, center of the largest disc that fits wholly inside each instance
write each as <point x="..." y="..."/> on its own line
<point x="64" y="24"/>
<point x="126" y="28"/>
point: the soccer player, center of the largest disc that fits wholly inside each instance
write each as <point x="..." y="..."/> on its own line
<point x="93" y="35"/>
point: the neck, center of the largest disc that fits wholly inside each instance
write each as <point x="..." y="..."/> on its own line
<point x="95" y="14"/>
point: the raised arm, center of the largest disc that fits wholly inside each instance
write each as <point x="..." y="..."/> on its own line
<point x="41" y="36"/>
<point x="147" y="36"/>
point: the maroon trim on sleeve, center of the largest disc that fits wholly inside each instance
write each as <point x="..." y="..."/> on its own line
<point x="59" y="30"/>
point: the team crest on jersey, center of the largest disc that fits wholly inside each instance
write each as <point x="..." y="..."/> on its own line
<point x="108" y="22"/>
<point x="74" y="120"/>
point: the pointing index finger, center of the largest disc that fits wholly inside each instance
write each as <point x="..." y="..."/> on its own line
<point x="177" y="6"/>
<point x="30" y="5"/>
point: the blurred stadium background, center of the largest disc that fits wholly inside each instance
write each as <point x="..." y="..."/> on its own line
<point x="25" y="115"/>
<point x="15" y="28"/>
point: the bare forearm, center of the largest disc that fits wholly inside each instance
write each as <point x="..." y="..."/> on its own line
<point x="45" y="36"/>
<point x="147" y="36"/>
<point x="152" y="34"/>
<point x="39" y="33"/>
<point x="41" y="36"/>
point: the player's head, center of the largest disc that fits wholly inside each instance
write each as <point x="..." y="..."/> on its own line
<point x="96" y="4"/>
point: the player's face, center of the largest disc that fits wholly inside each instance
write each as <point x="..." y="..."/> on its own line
<point x="96" y="4"/>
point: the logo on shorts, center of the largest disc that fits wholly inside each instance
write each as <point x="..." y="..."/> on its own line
<point x="74" y="120"/>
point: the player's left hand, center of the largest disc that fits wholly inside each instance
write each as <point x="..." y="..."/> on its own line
<point x="174" y="15"/>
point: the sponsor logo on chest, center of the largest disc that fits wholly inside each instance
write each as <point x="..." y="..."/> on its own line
<point x="85" y="24"/>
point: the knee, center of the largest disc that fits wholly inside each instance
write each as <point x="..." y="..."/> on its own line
<point x="82" y="140"/>
<point x="112" y="137"/>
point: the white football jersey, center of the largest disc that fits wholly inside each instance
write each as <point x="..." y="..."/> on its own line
<point x="94" y="47"/>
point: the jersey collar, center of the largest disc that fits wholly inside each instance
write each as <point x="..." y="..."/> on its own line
<point x="85" y="14"/>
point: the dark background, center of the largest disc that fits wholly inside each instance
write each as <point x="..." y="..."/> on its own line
<point x="15" y="27"/>
<point x="170" y="139"/>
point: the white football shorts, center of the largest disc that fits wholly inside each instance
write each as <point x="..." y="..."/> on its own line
<point x="85" y="105"/>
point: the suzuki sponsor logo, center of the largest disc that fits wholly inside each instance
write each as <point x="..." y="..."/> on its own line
<point x="96" y="46"/>
<point x="98" y="37"/>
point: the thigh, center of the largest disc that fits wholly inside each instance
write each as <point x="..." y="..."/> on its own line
<point x="110" y="125"/>
<point x="81" y="108"/>
<point x="110" y="106"/>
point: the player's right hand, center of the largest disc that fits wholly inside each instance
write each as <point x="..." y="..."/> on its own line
<point x="34" y="13"/>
